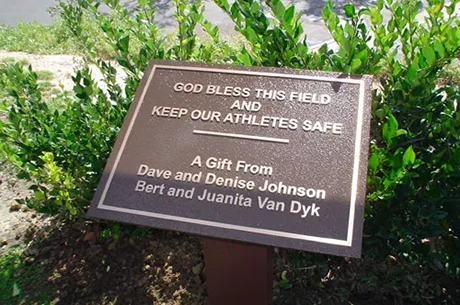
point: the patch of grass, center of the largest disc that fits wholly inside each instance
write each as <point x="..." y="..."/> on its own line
<point x="2" y="161"/>
<point x="12" y="60"/>
<point x="45" y="78"/>
<point x="49" y="39"/>
<point x="21" y="283"/>
<point x="36" y="38"/>
<point x="45" y="75"/>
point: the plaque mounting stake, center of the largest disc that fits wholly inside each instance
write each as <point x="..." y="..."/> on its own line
<point x="238" y="273"/>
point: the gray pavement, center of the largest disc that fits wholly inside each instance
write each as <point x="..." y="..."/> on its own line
<point x="12" y="11"/>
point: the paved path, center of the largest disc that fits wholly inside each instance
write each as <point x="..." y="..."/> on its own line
<point x="12" y="11"/>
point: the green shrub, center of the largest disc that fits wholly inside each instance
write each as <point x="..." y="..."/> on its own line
<point x="413" y="183"/>
<point x="63" y="151"/>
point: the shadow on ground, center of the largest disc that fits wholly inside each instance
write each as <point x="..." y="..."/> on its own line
<point x="80" y="267"/>
<point x="72" y="264"/>
<point x="313" y="9"/>
<point x="163" y="11"/>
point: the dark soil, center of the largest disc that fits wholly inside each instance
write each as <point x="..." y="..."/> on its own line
<point x="147" y="266"/>
<point x="17" y="222"/>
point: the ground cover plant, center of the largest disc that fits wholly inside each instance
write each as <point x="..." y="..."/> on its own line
<point x="412" y="223"/>
<point x="48" y="39"/>
<point x="15" y="276"/>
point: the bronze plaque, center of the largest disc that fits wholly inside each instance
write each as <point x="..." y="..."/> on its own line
<point x="264" y="155"/>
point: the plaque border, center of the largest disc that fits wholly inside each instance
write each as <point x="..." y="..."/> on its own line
<point x="354" y="185"/>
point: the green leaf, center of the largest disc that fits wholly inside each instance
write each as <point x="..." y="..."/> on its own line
<point x="363" y="55"/>
<point x="289" y="14"/>
<point x="235" y="11"/>
<point x="374" y="162"/>
<point x="439" y="48"/>
<point x="124" y="44"/>
<point x="244" y="58"/>
<point x="409" y="156"/>
<point x="39" y="195"/>
<point x="349" y="10"/>
<point x="255" y="8"/>
<point x="399" y="13"/>
<point x="429" y="55"/>
<point x="16" y="290"/>
<point x="376" y="16"/>
<point x="390" y="128"/>
<point x="70" y="208"/>
<point x="380" y="113"/>
<point x="327" y="13"/>
<point x="355" y="64"/>
<point x="279" y="10"/>
<point x="411" y="74"/>
<point x="251" y="34"/>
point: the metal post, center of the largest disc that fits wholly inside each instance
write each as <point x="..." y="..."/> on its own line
<point x="238" y="273"/>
